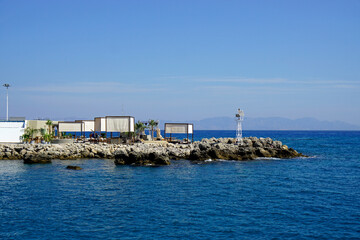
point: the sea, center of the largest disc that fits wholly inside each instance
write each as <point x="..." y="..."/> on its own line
<point x="302" y="198"/>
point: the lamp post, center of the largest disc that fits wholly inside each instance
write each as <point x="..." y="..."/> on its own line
<point x="7" y="100"/>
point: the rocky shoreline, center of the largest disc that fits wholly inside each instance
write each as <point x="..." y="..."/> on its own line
<point x="151" y="153"/>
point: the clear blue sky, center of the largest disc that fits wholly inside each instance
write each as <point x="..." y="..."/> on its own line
<point x="181" y="60"/>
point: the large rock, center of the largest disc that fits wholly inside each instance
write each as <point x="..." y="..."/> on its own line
<point x="71" y="167"/>
<point x="198" y="155"/>
<point x="36" y="158"/>
<point x="139" y="158"/>
<point x="260" y="152"/>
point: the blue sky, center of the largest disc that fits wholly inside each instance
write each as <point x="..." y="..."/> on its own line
<point x="180" y="60"/>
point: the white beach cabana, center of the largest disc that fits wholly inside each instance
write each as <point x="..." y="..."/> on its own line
<point x="70" y="127"/>
<point x="120" y="124"/>
<point x="179" y="128"/>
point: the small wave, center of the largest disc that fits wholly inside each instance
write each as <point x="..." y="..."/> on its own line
<point x="268" y="158"/>
<point x="224" y="160"/>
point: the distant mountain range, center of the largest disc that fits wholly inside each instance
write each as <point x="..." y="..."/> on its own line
<point x="272" y="123"/>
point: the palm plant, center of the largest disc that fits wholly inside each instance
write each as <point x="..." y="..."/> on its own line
<point x="25" y="137"/>
<point x="153" y="124"/>
<point x="49" y="124"/>
<point x="42" y="131"/>
<point x="47" y="137"/>
<point x="32" y="131"/>
<point x="139" y="128"/>
<point x="29" y="133"/>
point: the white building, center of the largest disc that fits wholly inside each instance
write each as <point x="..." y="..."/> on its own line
<point x="11" y="131"/>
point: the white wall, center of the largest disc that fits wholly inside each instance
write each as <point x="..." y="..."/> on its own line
<point x="11" y="132"/>
<point x="100" y="124"/>
<point x="132" y="124"/>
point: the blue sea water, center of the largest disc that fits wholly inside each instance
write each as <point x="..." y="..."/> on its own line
<point x="304" y="198"/>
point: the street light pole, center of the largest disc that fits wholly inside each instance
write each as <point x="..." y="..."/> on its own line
<point x="7" y="100"/>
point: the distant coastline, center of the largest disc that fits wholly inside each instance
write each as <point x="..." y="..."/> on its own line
<point x="273" y="123"/>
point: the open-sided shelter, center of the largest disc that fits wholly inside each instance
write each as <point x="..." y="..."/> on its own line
<point x="181" y="128"/>
<point x="120" y="124"/>
<point x="74" y="127"/>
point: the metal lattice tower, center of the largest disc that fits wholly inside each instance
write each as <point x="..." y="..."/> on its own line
<point x="7" y="100"/>
<point x="239" y="119"/>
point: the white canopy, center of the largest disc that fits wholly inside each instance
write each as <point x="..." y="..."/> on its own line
<point x="99" y="124"/>
<point x="179" y="128"/>
<point x="87" y="125"/>
<point x="70" y="126"/>
<point x="120" y="124"/>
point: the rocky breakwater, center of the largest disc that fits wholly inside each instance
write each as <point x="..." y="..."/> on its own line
<point x="151" y="153"/>
<point x="249" y="149"/>
<point x="221" y="148"/>
<point x="44" y="153"/>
